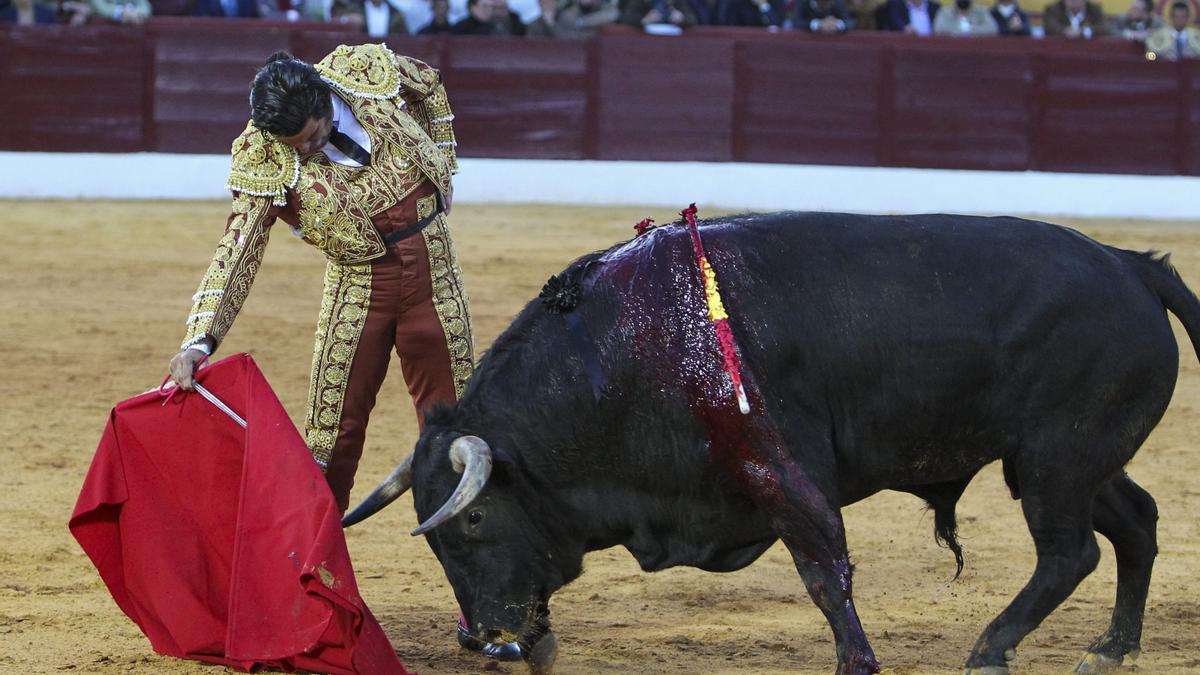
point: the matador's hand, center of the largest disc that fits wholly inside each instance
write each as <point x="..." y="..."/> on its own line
<point x="183" y="368"/>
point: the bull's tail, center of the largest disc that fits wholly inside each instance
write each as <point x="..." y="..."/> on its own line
<point x="1162" y="277"/>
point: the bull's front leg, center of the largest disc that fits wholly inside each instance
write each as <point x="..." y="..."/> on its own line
<point x="812" y="530"/>
<point x="804" y="516"/>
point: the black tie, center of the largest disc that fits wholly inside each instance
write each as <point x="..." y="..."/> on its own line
<point x="349" y="148"/>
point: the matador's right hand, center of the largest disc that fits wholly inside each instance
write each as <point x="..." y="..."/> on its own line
<point x="183" y="368"/>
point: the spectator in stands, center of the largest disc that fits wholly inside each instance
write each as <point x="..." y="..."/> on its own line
<point x="862" y="14"/>
<point x="583" y="18"/>
<point x="381" y="18"/>
<point x="238" y="9"/>
<point x="1138" y="22"/>
<point x="489" y="17"/>
<point x="478" y="21"/>
<point x="822" y="16"/>
<point x="755" y="13"/>
<point x="914" y="17"/>
<point x="74" y="12"/>
<point x="1180" y="40"/>
<point x="646" y="12"/>
<point x="507" y="21"/>
<point x="1075" y="19"/>
<point x="121" y="11"/>
<point x="27" y="13"/>
<point x="338" y="11"/>
<point x="441" y="19"/>
<point x="1010" y="19"/>
<point x="964" y="20"/>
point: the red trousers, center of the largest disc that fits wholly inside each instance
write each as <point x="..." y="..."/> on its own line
<point x="410" y="301"/>
<point x="400" y="317"/>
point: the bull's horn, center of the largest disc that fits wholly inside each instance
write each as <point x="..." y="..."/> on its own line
<point x="396" y="484"/>
<point x="470" y="456"/>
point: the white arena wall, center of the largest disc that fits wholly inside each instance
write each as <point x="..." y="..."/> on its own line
<point x="758" y="187"/>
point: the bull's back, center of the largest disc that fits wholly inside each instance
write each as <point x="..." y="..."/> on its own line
<point x="926" y="339"/>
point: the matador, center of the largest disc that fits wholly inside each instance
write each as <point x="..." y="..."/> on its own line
<point x="356" y="154"/>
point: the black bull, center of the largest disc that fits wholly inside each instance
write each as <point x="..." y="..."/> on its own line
<point x="900" y="353"/>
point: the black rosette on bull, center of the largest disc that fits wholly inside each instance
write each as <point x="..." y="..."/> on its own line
<point x="561" y="293"/>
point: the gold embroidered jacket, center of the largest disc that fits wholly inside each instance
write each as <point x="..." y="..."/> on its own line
<point x="401" y="104"/>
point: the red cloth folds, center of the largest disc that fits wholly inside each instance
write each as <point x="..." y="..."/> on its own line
<point x="224" y="544"/>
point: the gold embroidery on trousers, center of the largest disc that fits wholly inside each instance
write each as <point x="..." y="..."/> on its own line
<point x="343" y="315"/>
<point x="449" y="296"/>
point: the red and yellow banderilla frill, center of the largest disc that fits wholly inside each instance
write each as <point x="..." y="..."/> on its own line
<point x="716" y="312"/>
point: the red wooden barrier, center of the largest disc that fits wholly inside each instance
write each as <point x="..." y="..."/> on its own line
<point x="180" y="84"/>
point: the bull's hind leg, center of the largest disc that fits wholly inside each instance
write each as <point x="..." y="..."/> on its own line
<point x="1127" y="516"/>
<point x="1059" y="514"/>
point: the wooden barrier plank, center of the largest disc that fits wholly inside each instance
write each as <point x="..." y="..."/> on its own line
<point x="513" y="99"/>
<point x="1107" y="114"/>
<point x="955" y="111"/>
<point x="812" y="102"/>
<point x="71" y="89"/>
<point x="202" y="81"/>
<point x="660" y="99"/>
<point x="180" y="84"/>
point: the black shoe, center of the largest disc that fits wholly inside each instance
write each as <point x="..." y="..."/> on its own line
<point x="509" y="651"/>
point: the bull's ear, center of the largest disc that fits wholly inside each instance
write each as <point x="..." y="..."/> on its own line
<point x="502" y="457"/>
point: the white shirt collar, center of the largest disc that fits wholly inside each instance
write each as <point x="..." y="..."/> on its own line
<point x="344" y="120"/>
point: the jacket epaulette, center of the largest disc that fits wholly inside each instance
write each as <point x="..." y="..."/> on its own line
<point x="374" y="71"/>
<point x="263" y="166"/>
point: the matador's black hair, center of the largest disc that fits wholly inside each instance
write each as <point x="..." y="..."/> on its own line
<point x="286" y="93"/>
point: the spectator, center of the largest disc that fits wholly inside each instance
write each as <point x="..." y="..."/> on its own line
<point x="27" y="13"/>
<point x="1010" y="19"/>
<point x="546" y="24"/>
<point x="821" y="16"/>
<point x="507" y="21"/>
<point x="1074" y="19"/>
<point x="1178" y="41"/>
<point x="441" y="19"/>
<point x="736" y="13"/>
<point x="489" y="17"/>
<point x="1138" y="22"/>
<point x="965" y="19"/>
<point x="914" y="17"/>
<point x="646" y="12"/>
<point x="381" y="18"/>
<point x="271" y="9"/>
<point x="478" y="21"/>
<point x="121" y="11"/>
<point x="74" y="12"/>
<point x="862" y="14"/>
<point x="583" y="18"/>
<point x="240" y="9"/>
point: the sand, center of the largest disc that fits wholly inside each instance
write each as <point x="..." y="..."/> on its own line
<point x="93" y="301"/>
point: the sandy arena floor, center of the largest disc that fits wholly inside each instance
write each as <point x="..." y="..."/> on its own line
<point x="93" y="301"/>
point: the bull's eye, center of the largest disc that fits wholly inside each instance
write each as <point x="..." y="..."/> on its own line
<point x="475" y="517"/>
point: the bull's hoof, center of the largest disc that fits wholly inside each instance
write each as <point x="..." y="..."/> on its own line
<point x="509" y="651"/>
<point x="541" y="658"/>
<point x="1093" y="663"/>
<point x="987" y="670"/>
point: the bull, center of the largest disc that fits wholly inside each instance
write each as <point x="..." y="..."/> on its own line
<point x="900" y="353"/>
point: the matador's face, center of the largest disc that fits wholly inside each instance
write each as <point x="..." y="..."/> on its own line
<point x="312" y="137"/>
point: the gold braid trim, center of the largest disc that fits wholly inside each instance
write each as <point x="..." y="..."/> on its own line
<point x="434" y="115"/>
<point x="262" y="166"/>
<point x="362" y="71"/>
<point x="347" y="298"/>
<point x="227" y="282"/>
<point x="449" y="296"/>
